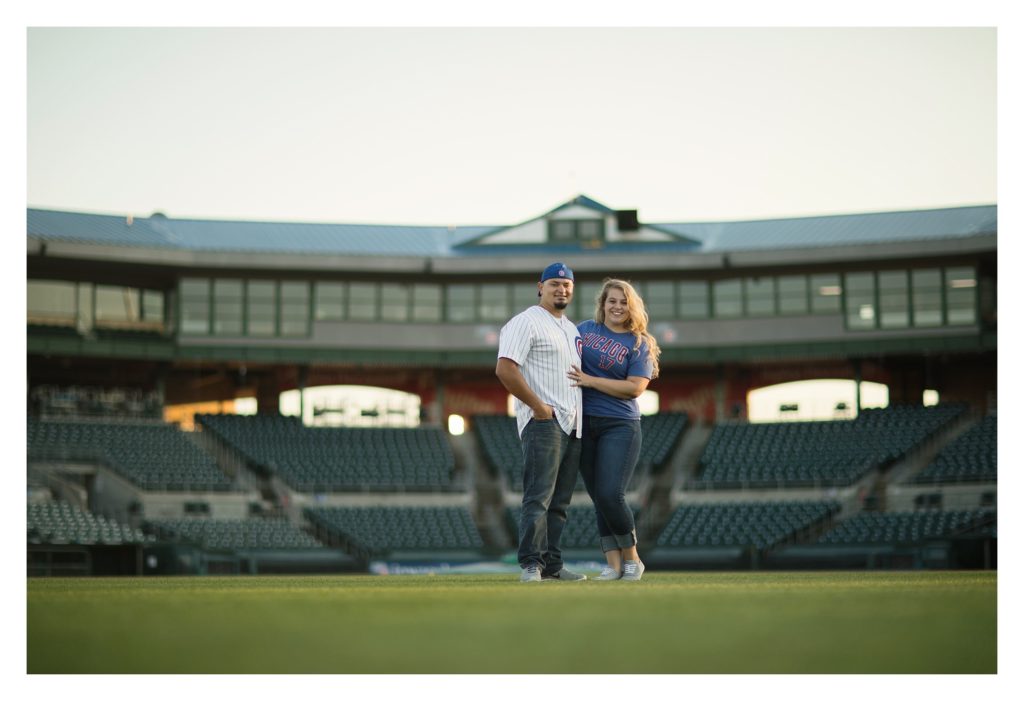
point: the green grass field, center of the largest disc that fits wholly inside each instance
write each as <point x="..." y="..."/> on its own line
<point x="760" y="622"/>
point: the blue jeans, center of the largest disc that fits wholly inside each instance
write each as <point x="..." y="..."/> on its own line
<point x="551" y="459"/>
<point x="611" y="449"/>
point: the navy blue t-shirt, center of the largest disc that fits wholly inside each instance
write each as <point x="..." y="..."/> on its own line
<point x="607" y="354"/>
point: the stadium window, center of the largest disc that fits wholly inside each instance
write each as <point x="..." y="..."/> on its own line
<point x="660" y="299"/>
<point x="524" y="296"/>
<point x="118" y="307"/>
<point x="426" y="302"/>
<point x="195" y="306"/>
<point x="394" y="301"/>
<point x="461" y="302"/>
<point x="86" y="307"/>
<point x="759" y="296"/>
<point x="494" y="302"/>
<point x="792" y="294"/>
<point x="153" y="306"/>
<point x="261" y="307"/>
<point x="51" y="302"/>
<point x="362" y="301"/>
<point x="961" y="296"/>
<point x="926" y="294"/>
<point x="727" y="297"/>
<point x="294" y="309"/>
<point x="584" y="301"/>
<point x="826" y="292"/>
<point x="561" y="231"/>
<point x="861" y="306"/>
<point x="575" y="230"/>
<point x="227" y="306"/>
<point x="693" y="300"/>
<point x="329" y="301"/>
<point x="587" y="230"/>
<point x="893" y="299"/>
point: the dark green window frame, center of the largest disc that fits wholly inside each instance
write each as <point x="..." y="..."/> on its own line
<point x="494" y="302"/>
<point x="691" y="292"/>
<point x="295" y="308"/>
<point x="255" y="302"/>
<point x="461" y="301"/>
<point x="759" y="296"/>
<point x="793" y="294"/>
<point x="201" y="303"/>
<point x="860" y="300"/>
<point x="960" y="295"/>
<point x="723" y="295"/>
<point x="330" y="299"/>
<point x="569" y="230"/>
<point x="427" y="303"/>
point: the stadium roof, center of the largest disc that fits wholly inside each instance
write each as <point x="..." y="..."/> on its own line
<point x="164" y="233"/>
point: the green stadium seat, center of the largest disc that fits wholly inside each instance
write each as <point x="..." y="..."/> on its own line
<point x="339" y="459"/>
<point x="380" y="530"/>
<point x="153" y="456"/>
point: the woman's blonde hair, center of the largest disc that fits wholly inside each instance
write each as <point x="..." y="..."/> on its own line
<point x="636" y="318"/>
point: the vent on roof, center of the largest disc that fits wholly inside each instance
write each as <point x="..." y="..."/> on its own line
<point x="627" y="220"/>
<point x="158" y="214"/>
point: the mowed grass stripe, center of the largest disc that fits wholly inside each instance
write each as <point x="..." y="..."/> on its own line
<point x="759" y="622"/>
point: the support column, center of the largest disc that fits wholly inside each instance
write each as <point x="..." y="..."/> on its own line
<point x="268" y="397"/>
<point x="437" y="409"/>
<point x="302" y="381"/>
<point x="857" y="379"/>
<point x="720" y="393"/>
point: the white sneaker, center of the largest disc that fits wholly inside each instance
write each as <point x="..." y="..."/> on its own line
<point x="531" y="572"/>
<point x="632" y="570"/>
<point x="608" y="574"/>
<point x="564" y="574"/>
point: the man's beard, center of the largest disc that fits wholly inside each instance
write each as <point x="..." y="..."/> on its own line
<point x="563" y="305"/>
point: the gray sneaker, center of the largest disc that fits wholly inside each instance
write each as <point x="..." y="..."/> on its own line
<point x="531" y="572"/>
<point x="632" y="570"/>
<point x="609" y="574"/>
<point x="564" y="574"/>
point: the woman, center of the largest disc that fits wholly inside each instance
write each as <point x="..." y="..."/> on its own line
<point x="619" y="359"/>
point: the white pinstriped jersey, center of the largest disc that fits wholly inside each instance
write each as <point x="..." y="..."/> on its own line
<point x="545" y="349"/>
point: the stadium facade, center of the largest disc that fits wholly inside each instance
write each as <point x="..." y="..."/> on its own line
<point x="152" y="312"/>
<point x="205" y="310"/>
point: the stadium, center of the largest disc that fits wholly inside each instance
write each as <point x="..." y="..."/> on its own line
<point x="186" y="433"/>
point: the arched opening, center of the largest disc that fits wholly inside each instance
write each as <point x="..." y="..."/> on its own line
<point x="352" y="406"/>
<point x="820" y="399"/>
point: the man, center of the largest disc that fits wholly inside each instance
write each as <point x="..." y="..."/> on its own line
<point x="536" y="350"/>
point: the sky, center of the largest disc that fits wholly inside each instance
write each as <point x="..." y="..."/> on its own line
<point x="497" y="125"/>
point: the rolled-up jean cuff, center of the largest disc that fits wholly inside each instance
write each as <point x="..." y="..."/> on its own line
<point x="618" y="541"/>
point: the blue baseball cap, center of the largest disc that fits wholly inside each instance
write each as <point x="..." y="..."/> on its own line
<point x="559" y="270"/>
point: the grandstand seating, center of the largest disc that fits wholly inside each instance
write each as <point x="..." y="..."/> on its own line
<point x="821" y="453"/>
<point x="339" y="459"/>
<point x="63" y="523"/>
<point x="235" y="534"/>
<point x="969" y="458"/>
<point x="154" y="456"/>
<point x="747" y="524"/>
<point x="909" y="527"/>
<point x="499" y="441"/>
<point x="85" y="401"/>
<point x="580" y="526"/>
<point x="378" y="530"/>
